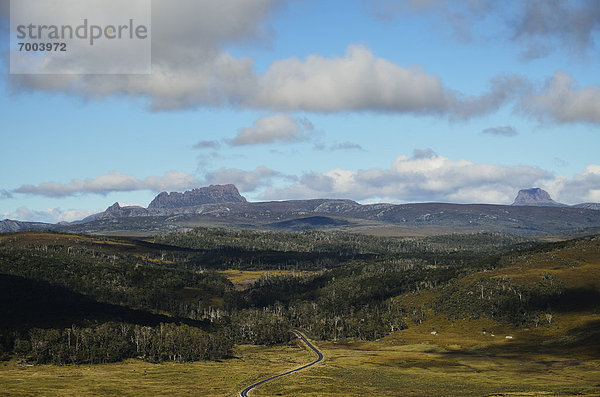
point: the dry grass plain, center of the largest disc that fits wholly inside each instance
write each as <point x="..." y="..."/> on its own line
<point x="414" y="362"/>
<point x="138" y="378"/>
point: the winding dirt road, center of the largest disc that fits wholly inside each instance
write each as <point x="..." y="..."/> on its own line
<point x="244" y="393"/>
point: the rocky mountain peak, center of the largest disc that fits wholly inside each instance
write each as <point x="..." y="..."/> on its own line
<point x="535" y="197"/>
<point x="213" y="194"/>
<point x="116" y="207"/>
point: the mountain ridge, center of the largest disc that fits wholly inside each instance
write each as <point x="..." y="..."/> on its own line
<point x="223" y="206"/>
<point x="213" y="194"/>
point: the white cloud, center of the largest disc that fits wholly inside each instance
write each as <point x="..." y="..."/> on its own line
<point x="245" y="181"/>
<point x="131" y="204"/>
<point x="563" y="101"/>
<point x="426" y="176"/>
<point x="191" y="68"/>
<point x="582" y="187"/>
<point x="113" y="182"/>
<point x="356" y="81"/>
<point x="276" y="128"/>
<point x="50" y="215"/>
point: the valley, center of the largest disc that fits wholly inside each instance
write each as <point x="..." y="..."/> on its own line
<point x="475" y="314"/>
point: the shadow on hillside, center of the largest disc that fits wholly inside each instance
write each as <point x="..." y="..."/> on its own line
<point x="27" y="303"/>
<point x="580" y="342"/>
<point x="578" y="299"/>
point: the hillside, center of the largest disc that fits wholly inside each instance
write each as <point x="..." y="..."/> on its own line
<point x="438" y="309"/>
<point x="405" y="219"/>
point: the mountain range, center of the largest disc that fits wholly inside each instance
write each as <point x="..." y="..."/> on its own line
<point x="532" y="213"/>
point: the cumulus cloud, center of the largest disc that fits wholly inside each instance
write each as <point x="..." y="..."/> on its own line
<point x="582" y="187"/>
<point x="191" y="68"/>
<point x="112" y="182"/>
<point x="50" y="215"/>
<point x="507" y="131"/>
<point x="562" y="100"/>
<point x="276" y="128"/>
<point x="425" y="176"/>
<point x="246" y="181"/>
<point x="360" y="81"/>
<point x="356" y="81"/>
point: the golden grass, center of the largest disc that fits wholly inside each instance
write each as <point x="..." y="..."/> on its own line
<point x="138" y="378"/>
<point x="414" y="362"/>
<point x="244" y="278"/>
<point x="459" y="361"/>
<point x="23" y="239"/>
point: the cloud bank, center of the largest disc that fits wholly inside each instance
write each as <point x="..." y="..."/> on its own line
<point x="246" y="181"/>
<point x="112" y="182"/>
<point x="425" y="176"/>
<point x="50" y="215"/>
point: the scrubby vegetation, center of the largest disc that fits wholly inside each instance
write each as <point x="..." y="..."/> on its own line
<point x="110" y="342"/>
<point x="107" y="293"/>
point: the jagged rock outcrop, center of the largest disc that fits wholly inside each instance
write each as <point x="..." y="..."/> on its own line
<point x="116" y="211"/>
<point x="213" y="194"/>
<point x="535" y="197"/>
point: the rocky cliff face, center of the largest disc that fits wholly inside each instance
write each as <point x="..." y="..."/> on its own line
<point x="535" y="197"/>
<point x="213" y="194"/>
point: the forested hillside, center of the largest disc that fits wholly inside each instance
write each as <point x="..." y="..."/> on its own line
<point x="106" y="299"/>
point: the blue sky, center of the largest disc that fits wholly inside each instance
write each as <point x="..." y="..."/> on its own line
<point x="397" y="101"/>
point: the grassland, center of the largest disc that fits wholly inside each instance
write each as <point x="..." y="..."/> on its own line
<point x="455" y="362"/>
<point x="458" y="361"/>
<point x="244" y="278"/>
<point x="138" y="378"/>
